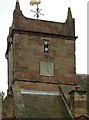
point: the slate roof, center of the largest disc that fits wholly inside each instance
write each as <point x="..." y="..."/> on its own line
<point x="45" y="106"/>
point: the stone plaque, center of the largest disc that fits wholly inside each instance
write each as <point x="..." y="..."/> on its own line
<point x="46" y="68"/>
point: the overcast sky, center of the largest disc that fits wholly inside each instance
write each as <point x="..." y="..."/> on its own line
<point x="53" y="10"/>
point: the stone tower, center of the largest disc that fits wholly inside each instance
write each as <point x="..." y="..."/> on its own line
<point x="41" y="61"/>
<point x="41" y="51"/>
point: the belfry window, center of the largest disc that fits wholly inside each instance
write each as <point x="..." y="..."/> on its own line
<point x="46" y="46"/>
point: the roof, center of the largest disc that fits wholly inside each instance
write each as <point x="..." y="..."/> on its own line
<point x="40" y="104"/>
<point x="45" y="106"/>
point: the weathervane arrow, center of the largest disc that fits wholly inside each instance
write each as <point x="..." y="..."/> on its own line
<point x="37" y="12"/>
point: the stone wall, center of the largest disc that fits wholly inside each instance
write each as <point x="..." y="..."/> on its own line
<point x="29" y="52"/>
<point x="8" y="107"/>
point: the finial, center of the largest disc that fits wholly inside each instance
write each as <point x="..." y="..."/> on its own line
<point x="69" y="14"/>
<point x="17" y="7"/>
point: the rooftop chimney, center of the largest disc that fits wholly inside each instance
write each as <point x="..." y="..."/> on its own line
<point x="78" y="102"/>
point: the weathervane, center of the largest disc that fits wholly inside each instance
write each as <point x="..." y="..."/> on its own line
<point x="37" y="12"/>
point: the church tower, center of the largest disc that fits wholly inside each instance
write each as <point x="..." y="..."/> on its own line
<point x="41" y="51"/>
<point x="41" y="61"/>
